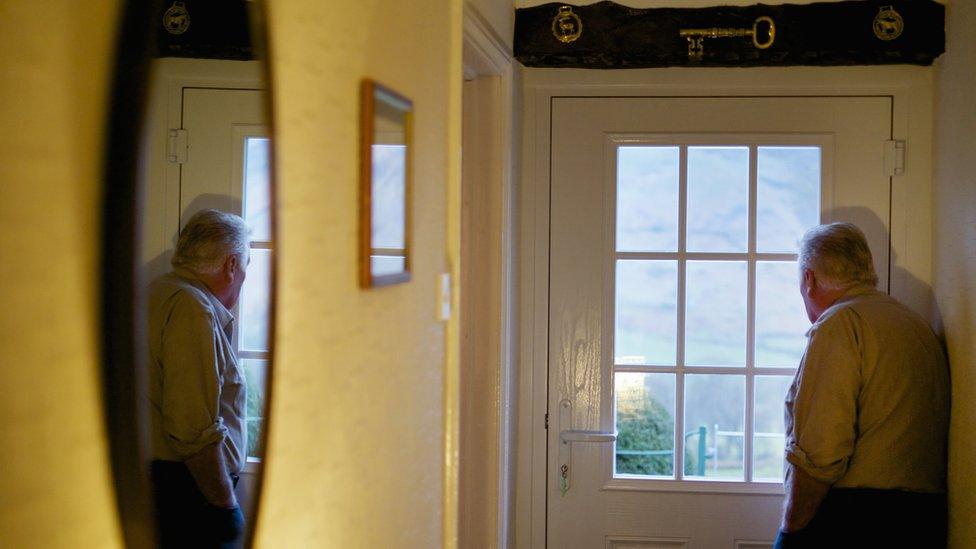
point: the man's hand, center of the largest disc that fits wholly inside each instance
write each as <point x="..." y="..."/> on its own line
<point x="228" y="524"/>
<point x="210" y="472"/>
<point x="804" y="494"/>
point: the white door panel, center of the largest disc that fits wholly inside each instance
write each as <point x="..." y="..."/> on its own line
<point x="601" y="510"/>
<point x="217" y="120"/>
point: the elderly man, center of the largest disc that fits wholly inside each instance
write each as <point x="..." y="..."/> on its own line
<point x="867" y="414"/>
<point x="196" y="388"/>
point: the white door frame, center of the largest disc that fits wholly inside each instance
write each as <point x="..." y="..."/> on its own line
<point x="911" y="91"/>
<point x="489" y="333"/>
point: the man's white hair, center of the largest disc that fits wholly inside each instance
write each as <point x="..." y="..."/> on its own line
<point x="208" y="238"/>
<point x="839" y="256"/>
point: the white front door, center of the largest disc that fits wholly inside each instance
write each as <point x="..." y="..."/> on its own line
<point x="675" y="322"/>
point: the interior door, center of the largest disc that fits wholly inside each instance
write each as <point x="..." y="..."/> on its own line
<point x="675" y="321"/>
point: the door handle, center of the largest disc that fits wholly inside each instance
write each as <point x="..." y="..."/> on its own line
<point x="568" y="436"/>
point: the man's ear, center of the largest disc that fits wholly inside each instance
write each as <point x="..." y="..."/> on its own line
<point x="231" y="266"/>
<point x="810" y="280"/>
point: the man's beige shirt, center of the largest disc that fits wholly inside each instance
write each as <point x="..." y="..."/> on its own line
<point x="197" y="391"/>
<point x="869" y="406"/>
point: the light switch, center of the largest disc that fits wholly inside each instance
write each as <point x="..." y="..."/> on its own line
<point x="444" y="297"/>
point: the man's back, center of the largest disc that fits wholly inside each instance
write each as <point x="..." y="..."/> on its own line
<point x="902" y="391"/>
<point x="196" y="389"/>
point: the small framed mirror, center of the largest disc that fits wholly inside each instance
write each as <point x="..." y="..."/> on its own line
<point x="384" y="186"/>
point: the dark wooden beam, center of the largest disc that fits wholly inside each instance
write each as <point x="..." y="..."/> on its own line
<point x="208" y="29"/>
<point x="611" y="36"/>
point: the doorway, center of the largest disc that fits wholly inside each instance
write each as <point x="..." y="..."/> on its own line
<point x="569" y="244"/>
<point x="675" y="323"/>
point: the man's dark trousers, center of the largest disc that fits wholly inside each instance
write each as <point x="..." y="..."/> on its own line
<point x="866" y="517"/>
<point x="184" y="518"/>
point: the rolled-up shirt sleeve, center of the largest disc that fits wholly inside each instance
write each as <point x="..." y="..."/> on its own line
<point x="191" y="379"/>
<point x="824" y="401"/>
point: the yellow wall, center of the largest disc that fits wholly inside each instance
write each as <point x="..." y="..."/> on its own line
<point x="955" y="255"/>
<point x="55" y="483"/>
<point x="357" y="452"/>
<point x="358" y="455"/>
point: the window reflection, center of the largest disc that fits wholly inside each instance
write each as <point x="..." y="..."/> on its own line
<point x="254" y="328"/>
<point x="257" y="187"/>
<point x="388" y="205"/>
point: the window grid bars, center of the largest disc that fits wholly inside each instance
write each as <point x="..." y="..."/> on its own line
<point x="679" y="382"/>
<point x="708" y="256"/>
<point x="749" y="424"/>
<point x="682" y="256"/>
<point x="702" y="370"/>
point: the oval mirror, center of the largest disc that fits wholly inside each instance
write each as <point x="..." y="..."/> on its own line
<point x="189" y="271"/>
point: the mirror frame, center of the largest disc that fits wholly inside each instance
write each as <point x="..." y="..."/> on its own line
<point x="121" y="289"/>
<point x="369" y="92"/>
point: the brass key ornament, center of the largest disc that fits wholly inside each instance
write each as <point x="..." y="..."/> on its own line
<point x="696" y="37"/>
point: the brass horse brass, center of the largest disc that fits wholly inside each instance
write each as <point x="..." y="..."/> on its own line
<point x="696" y="37"/>
<point x="567" y="26"/>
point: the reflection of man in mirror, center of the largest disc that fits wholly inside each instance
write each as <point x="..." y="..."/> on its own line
<point x="196" y="389"/>
<point x="867" y="414"/>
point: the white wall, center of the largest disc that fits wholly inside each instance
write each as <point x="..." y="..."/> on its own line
<point x="500" y="16"/>
<point x="955" y="255"/>
<point x="487" y="392"/>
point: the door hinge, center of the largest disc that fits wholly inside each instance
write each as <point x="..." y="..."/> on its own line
<point x="894" y="157"/>
<point x="547" y="421"/>
<point x="177" y="146"/>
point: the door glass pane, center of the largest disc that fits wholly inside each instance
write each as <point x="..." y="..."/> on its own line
<point x="714" y="422"/>
<point x="647" y="199"/>
<point x="645" y="424"/>
<point x="718" y="199"/>
<point x="646" y="312"/>
<point x="781" y="319"/>
<point x="257" y="187"/>
<point x="715" y="323"/>
<point x="769" y="441"/>
<point x="255" y="373"/>
<point x="256" y="302"/>
<point x="788" y="196"/>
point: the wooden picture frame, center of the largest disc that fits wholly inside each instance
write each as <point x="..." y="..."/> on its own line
<point x="386" y="142"/>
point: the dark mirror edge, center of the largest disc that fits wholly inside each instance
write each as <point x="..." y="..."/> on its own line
<point x="125" y="416"/>
<point x="257" y="15"/>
